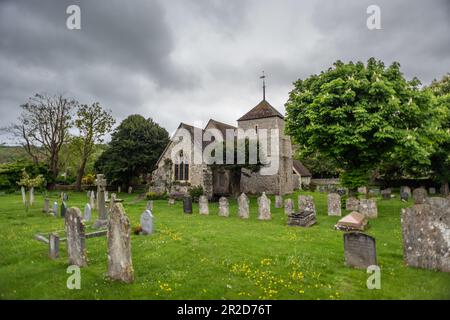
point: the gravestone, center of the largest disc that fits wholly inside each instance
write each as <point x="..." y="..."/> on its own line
<point x="278" y="201"/>
<point x="362" y="190"/>
<point x="24" y="195"/>
<point x="31" y="196"/>
<point x="419" y="195"/>
<point x="101" y="203"/>
<point x="171" y="201"/>
<point x="264" y="208"/>
<point x="224" y="210"/>
<point x="368" y="207"/>
<point x="92" y="201"/>
<point x="76" y="250"/>
<point x="334" y="204"/>
<point x="63" y="209"/>
<point x="112" y="201"/>
<point x="444" y="190"/>
<point x="244" y="206"/>
<point x="426" y="234"/>
<point x="432" y="190"/>
<point x="352" y="204"/>
<point x="46" y="206"/>
<point x="106" y="195"/>
<point x="354" y="221"/>
<point x="404" y="196"/>
<point x="149" y="205"/>
<point x="130" y="190"/>
<point x="119" y="189"/>
<point x="306" y="204"/>
<point x="54" y="211"/>
<point x="87" y="212"/>
<point x="407" y="190"/>
<point x="65" y="197"/>
<point x="288" y="206"/>
<point x="374" y="193"/>
<point x="203" y="205"/>
<point x="88" y="194"/>
<point x="386" y="194"/>
<point x="187" y="204"/>
<point x="360" y="250"/>
<point x="147" y="222"/>
<point x="120" y="266"/>
<point x="53" y="246"/>
<point x="341" y="191"/>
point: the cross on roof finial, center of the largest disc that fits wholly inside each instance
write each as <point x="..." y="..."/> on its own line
<point x="264" y="85"/>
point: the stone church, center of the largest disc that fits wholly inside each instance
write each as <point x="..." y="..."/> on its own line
<point x="178" y="178"/>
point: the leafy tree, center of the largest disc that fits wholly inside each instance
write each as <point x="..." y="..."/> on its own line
<point x="93" y="123"/>
<point x="360" y="115"/>
<point x="319" y="165"/>
<point x="134" y="149"/>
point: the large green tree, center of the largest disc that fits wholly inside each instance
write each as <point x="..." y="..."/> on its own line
<point x="135" y="147"/>
<point x="360" y="115"/>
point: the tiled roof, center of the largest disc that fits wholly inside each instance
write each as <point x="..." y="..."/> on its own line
<point x="262" y="110"/>
<point x="301" y="169"/>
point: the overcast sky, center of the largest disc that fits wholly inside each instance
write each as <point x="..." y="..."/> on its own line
<point x="191" y="60"/>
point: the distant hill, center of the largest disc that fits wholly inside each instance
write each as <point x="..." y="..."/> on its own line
<point x="12" y="153"/>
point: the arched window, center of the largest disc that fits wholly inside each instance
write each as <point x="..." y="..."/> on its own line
<point x="181" y="168"/>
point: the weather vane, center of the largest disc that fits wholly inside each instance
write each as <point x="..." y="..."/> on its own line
<point x="263" y="77"/>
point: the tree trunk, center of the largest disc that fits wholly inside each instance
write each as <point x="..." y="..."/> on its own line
<point x="80" y="175"/>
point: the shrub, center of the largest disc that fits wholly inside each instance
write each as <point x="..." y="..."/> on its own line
<point x="137" y="229"/>
<point x="195" y="192"/>
<point x="156" y="196"/>
<point x="88" y="179"/>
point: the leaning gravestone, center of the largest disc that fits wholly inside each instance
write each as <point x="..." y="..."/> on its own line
<point x="419" y="195"/>
<point x="53" y="246"/>
<point x="264" y="208"/>
<point x="278" y="201"/>
<point x="203" y="205"/>
<point x="87" y="212"/>
<point x="187" y="204"/>
<point x="224" y="210"/>
<point x="288" y="206"/>
<point x="102" y="212"/>
<point x="147" y="222"/>
<point x="63" y="209"/>
<point x="244" y="206"/>
<point x="46" y="206"/>
<point x="426" y="234"/>
<point x="334" y="204"/>
<point x="76" y="250"/>
<point x="386" y="194"/>
<point x="352" y="204"/>
<point x="360" y="250"/>
<point x="368" y="207"/>
<point x="306" y="203"/>
<point x="120" y="266"/>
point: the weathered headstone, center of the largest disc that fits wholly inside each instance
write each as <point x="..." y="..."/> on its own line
<point x="87" y="212"/>
<point x="54" y="211"/>
<point x="92" y="201"/>
<point x="354" y="221"/>
<point x="203" y="205"/>
<point x="426" y="234"/>
<point x="119" y="189"/>
<point x="65" y="197"/>
<point x="130" y="190"/>
<point x="368" y="207"/>
<point x="360" y="250"/>
<point x="306" y="204"/>
<point x="224" y="210"/>
<point x="120" y="266"/>
<point x="149" y="205"/>
<point x="264" y="208"/>
<point x="419" y="195"/>
<point x="24" y="195"/>
<point x="288" y="206"/>
<point x="171" y="201"/>
<point x="362" y="190"/>
<point x="352" y="204"/>
<point x="386" y="194"/>
<point x="53" y="246"/>
<point x="278" y="201"/>
<point x="404" y="196"/>
<point x="112" y="201"/>
<point x="76" y="250"/>
<point x="187" y="204"/>
<point x="147" y="222"/>
<point x="244" y="206"/>
<point x="101" y="203"/>
<point x="106" y="195"/>
<point x="31" y="196"/>
<point x="334" y="204"/>
<point x="63" y="209"/>
<point x="407" y="190"/>
<point x="432" y="190"/>
<point x="46" y="206"/>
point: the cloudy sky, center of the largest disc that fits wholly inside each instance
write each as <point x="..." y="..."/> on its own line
<point x="191" y="60"/>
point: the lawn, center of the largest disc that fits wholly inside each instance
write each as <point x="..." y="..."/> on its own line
<point x="211" y="257"/>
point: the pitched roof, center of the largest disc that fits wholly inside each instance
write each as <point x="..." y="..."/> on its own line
<point x="262" y="110"/>
<point x="222" y="127"/>
<point x="301" y="169"/>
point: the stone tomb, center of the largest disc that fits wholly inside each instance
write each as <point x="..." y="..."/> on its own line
<point x="306" y="204"/>
<point x="120" y="266"/>
<point x="76" y="249"/>
<point x="354" y="221"/>
<point x="264" y="208"/>
<point x="359" y="250"/>
<point x="426" y="234"/>
<point x="368" y="207"/>
<point x="306" y="215"/>
<point x="224" y="210"/>
<point x="203" y="205"/>
<point x="334" y="204"/>
<point x="244" y="206"/>
<point x="147" y="222"/>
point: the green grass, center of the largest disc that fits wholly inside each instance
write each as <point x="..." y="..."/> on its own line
<point x="211" y="257"/>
